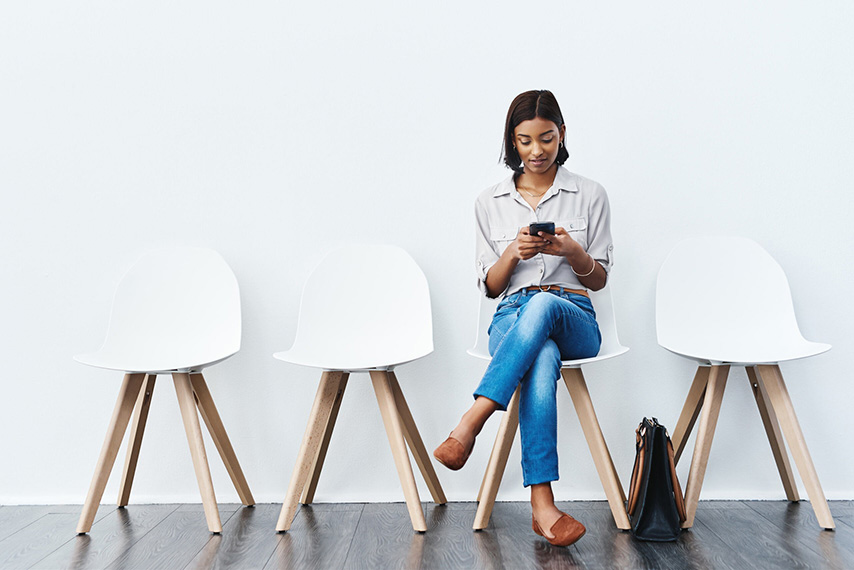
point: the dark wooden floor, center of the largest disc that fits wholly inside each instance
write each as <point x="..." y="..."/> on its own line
<point x="727" y="534"/>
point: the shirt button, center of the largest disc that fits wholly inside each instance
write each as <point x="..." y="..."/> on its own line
<point x="571" y="226"/>
<point x="542" y="270"/>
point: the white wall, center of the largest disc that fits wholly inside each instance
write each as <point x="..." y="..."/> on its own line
<point x="272" y="132"/>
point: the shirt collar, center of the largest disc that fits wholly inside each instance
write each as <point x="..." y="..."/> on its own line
<point x="564" y="180"/>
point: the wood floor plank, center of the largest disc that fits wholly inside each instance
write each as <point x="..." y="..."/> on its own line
<point x="848" y="521"/>
<point x="797" y="522"/>
<point x="14" y="518"/>
<point x="37" y="540"/>
<point x="248" y="540"/>
<point x="384" y="534"/>
<point x="450" y="542"/>
<point x="320" y="537"/>
<point x="32" y="532"/>
<point x="699" y="547"/>
<point x="754" y="538"/>
<point x="385" y="539"/>
<point x="171" y="544"/>
<point x="109" y="538"/>
<point x="225" y="509"/>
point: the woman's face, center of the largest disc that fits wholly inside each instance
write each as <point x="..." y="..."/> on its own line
<point x="537" y="142"/>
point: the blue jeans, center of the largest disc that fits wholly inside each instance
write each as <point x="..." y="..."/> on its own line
<point x="531" y="332"/>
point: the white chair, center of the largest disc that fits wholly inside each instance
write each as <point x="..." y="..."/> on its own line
<point x="176" y="311"/>
<point x="365" y="308"/>
<point x="724" y="301"/>
<point x="575" y="383"/>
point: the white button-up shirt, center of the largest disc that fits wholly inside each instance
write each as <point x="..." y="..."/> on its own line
<point x="577" y="204"/>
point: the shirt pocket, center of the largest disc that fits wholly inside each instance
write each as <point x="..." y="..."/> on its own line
<point x="577" y="229"/>
<point x="502" y="236"/>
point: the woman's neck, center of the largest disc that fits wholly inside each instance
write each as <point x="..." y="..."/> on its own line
<point x="542" y="180"/>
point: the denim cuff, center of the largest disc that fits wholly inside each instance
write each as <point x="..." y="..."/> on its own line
<point x="498" y="399"/>
<point x="529" y="479"/>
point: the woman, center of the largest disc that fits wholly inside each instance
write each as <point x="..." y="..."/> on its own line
<point x="545" y="314"/>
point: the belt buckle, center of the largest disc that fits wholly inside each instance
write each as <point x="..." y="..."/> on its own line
<point x="547" y="287"/>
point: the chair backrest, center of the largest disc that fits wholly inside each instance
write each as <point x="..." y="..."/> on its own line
<point x="364" y="306"/>
<point x="602" y="304"/>
<point x="174" y="309"/>
<point x="725" y="299"/>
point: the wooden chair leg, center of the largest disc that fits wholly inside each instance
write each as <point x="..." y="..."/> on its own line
<point x="772" y="380"/>
<point x="488" y="462"/>
<point x="690" y="411"/>
<point x="187" y="404"/>
<point x="497" y="463"/>
<point x="775" y="438"/>
<point x="416" y="444"/>
<point x="577" y="387"/>
<point x="140" y="416"/>
<point x="206" y="406"/>
<point x="394" y="431"/>
<point x="113" y="440"/>
<point x="311" y="487"/>
<point x="705" y="433"/>
<point x="318" y="419"/>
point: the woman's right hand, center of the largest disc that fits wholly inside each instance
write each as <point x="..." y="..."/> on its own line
<point x="525" y="246"/>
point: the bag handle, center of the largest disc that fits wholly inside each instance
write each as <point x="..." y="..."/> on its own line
<point x="677" y="490"/>
<point x="640" y="454"/>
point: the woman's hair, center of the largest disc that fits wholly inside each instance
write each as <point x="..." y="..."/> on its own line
<point x="526" y="106"/>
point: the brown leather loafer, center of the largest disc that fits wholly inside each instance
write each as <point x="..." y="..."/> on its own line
<point x="566" y="530"/>
<point x="452" y="454"/>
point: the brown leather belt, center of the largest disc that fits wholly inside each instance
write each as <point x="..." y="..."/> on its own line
<point x="581" y="292"/>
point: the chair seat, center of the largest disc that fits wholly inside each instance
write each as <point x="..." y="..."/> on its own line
<point x="732" y="353"/>
<point x="332" y="360"/>
<point x="150" y="364"/>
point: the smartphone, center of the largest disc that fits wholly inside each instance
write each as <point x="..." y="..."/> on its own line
<point x="547" y="227"/>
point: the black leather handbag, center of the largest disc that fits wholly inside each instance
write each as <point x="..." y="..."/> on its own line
<point x="655" y="506"/>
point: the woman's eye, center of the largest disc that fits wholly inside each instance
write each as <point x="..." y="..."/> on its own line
<point x="547" y="141"/>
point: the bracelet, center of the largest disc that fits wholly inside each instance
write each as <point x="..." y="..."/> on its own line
<point x="592" y="269"/>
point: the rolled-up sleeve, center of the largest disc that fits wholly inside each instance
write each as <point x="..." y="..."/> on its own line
<point x="600" y="245"/>
<point x="485" y="254"/>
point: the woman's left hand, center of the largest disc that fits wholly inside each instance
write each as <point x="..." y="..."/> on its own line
<point x="562" y="244"/>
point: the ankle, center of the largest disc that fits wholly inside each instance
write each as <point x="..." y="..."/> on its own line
<point x="470" y="425"/>
<point x="463" y="433"/>
<point x="542" y="496"/>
